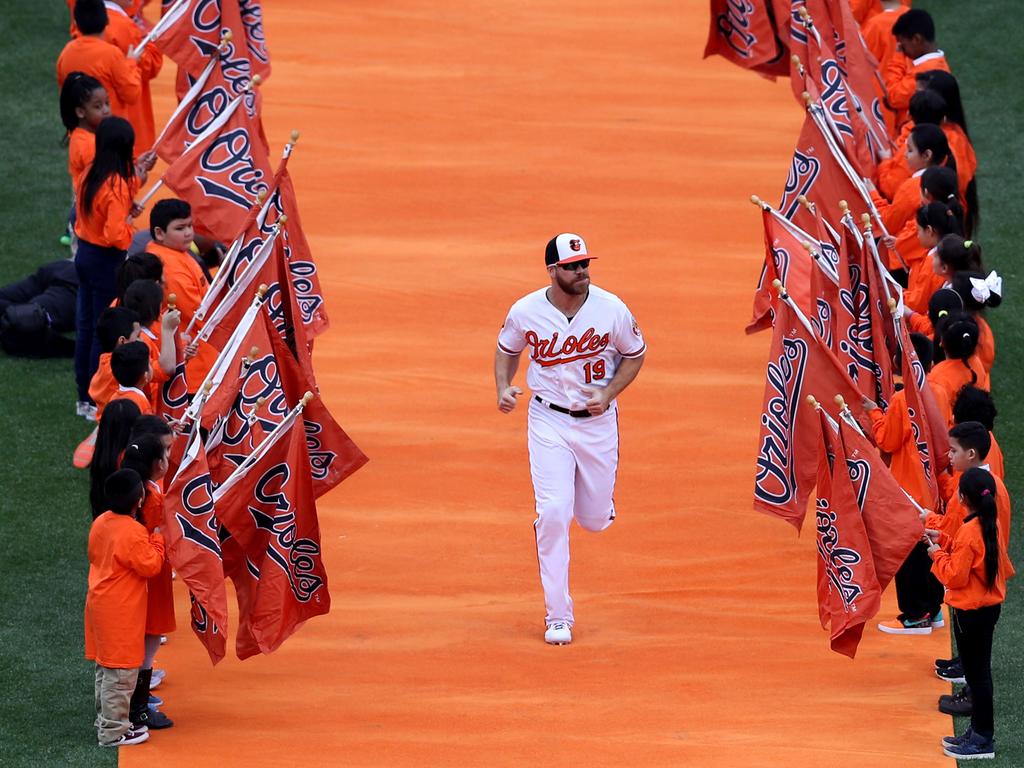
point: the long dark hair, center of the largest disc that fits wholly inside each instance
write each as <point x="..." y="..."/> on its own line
<point x="960" y="340"/>
<point x="76" y="91"/>
<point x="115" y="144"/>
<point x="947" y="87"/>
<point x="111" y="439"/>
<point x="978" y="489"/>
<point x="942" y="218"/>
<point x="142" y="453"/>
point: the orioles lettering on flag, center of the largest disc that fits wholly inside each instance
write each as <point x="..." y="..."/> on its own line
<point x="251" y="15"/>
<point x="891" y="521"/>
<point x="269" y="508"/>
<point x="222" y="174"/>
<point x="205" y="98"/>
<point x="857" y="322"/>
<point x="848" y="590"/>
<point x="815" y="173"/>
<point x="333" y="455"/>
<point x="743" y="32"/>
<point x="190" y="529"/>
<point x="798" y="365"/>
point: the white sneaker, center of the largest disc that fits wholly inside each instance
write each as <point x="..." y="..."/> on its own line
<point x="132" y="736"/>
<point x="558" y="633"/>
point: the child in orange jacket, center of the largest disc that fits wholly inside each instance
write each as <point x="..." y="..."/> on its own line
<point x="125" y="34"/>
<point x="959" y="334"/>
<point x="934" y="222"/>
<point x="145" y="298"/>
<point x="84" y="104"/>
<point x="130" y="365"/>
<point x="916" y="52"/>
<point x="974" y="569"/>
<point x="147" y="455"/>
<point x="170" y="223"/>
<point x="92" y="54"/>
<point x="122" y="556"/>
<point x="926" y="149"/>
<point x="974" y="404"/>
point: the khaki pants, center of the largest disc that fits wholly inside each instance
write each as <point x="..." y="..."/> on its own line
<point x="113" y="692"/>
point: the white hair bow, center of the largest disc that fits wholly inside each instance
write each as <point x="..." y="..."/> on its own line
<point x="981" y="289"/>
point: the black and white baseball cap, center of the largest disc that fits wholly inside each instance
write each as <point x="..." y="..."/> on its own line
<point x="566" y="248"/>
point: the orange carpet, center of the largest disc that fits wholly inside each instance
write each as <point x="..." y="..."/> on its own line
<point x="442" y="145"/>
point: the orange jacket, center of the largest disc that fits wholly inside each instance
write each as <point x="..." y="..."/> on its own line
<point x="894" y="435"/>
<point x="894" y="170"/>
<point x="123" y="33"/>
<point x="986" y="350"/>
<point x="184" y="277"/>
<point x="137" y="396"/>
<point x="121" y="557"/>
<point x="160" y="588"/>
<point x="961" y="570"/>
<point x="949" y="523"/>
<point x="996" y="464"/>
<point x="901" y="79"/>
<point x="949" y="376"/>
<point x="151" y="338"/>
<point x="104" y="61"/>
<point x="921" y="284"/>
<point x="877" y="33"/>
<point x="103" y="386"/>
<point x="106" y="225"/>
<point x="904" y="205"/>
<point x="81" y="152"/>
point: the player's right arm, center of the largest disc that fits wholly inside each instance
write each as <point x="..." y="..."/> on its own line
<point x="511" y="343"/>
<point x="505" y="367"/>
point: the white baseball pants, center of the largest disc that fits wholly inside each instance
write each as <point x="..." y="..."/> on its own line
<point x="573" y="464"/>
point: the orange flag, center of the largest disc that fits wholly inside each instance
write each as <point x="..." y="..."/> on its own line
<point x="848" y="590"/>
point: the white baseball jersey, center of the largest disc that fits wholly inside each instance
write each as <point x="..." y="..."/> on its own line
<point x="569" y="356"/>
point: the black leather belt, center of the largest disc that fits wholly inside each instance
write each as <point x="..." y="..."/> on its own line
<point x="560" y="409"/>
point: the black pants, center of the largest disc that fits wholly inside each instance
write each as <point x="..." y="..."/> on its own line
<point x="918" y="592"/>
<point x="973" y="631"/>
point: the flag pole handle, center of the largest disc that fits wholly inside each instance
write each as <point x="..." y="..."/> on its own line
<point x="149" y="195"/>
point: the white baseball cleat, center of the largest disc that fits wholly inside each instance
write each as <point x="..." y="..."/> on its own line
<point x="558" y="633"/>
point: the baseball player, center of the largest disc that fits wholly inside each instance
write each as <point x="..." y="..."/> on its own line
<point x="585" y="348"/>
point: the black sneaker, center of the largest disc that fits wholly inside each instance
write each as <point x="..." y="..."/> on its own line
<point x="945" y="663"/>
<point x="952" y="674"/>
<point x="956" y="741"/>
<point x="958" y="704"/>
<point x="974" y="747"/>
<point x="156" y="720"/>
<point x="129" y="737"/>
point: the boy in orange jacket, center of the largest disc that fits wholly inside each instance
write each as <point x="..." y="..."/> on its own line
<point x="170" y="224"/>
<point x="131" y="368"/>
<point x="122" y="556"/>
<point x="916" y="51"/>
<point x="94" y="56"/>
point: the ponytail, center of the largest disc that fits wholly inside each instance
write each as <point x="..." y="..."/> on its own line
<point x="946" y="86"/>
<point x="977" y="299"/>
<point x="978" y="489"/>
<point x="960" y="255"/>
<point x="960" y="340"/>
<point x="142" y="453"/>
<point x="941" y="218"/>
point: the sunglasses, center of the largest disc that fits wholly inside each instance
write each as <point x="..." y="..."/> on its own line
<point x="576" y="265"/>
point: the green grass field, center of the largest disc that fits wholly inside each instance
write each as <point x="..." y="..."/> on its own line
<point x="46" y="712"/>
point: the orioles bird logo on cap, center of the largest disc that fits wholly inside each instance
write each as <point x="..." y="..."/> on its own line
<point x="574" y="244"/>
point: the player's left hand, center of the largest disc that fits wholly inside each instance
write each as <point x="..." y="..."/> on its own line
<point x="597" y="401"/>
